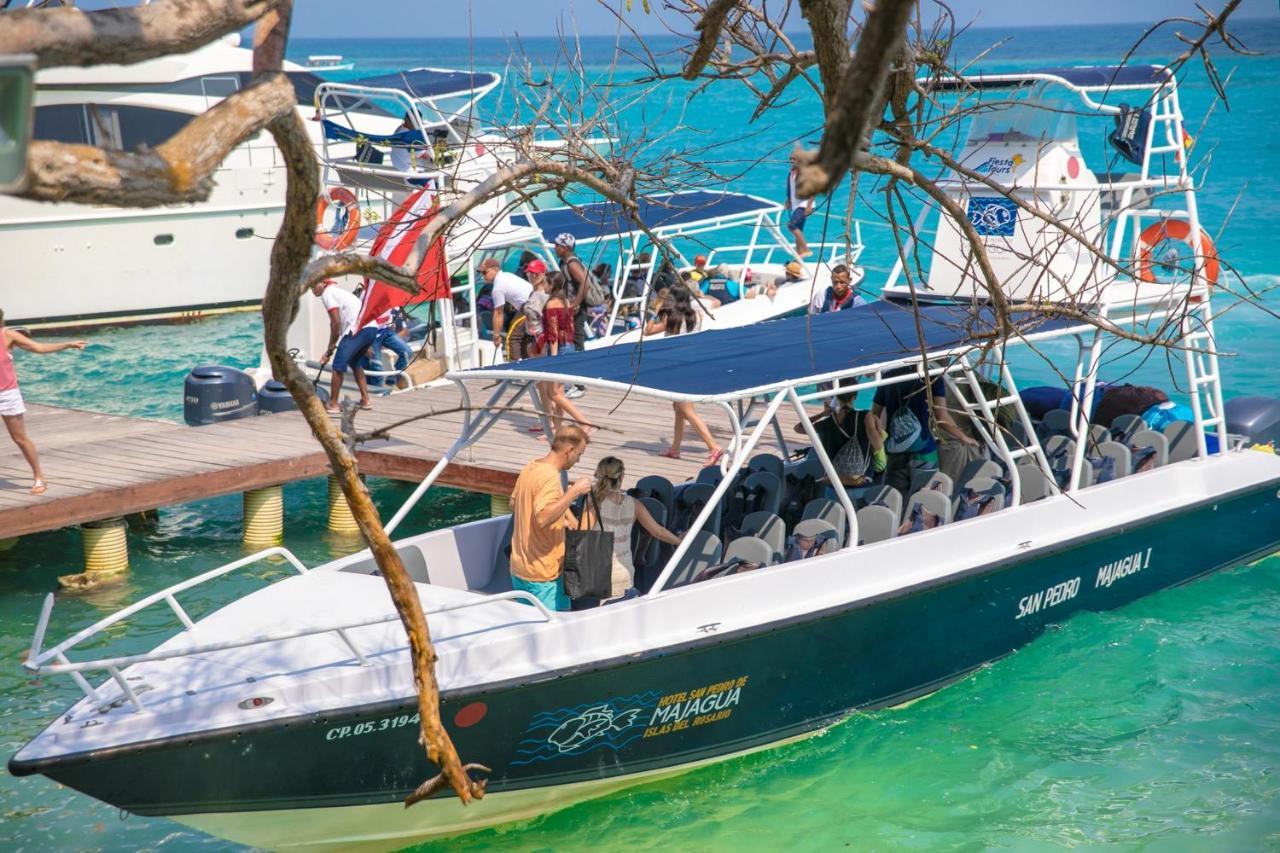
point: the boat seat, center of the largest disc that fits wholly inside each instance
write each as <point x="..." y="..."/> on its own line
<point x="658" y="488"/>
<point x="940" y="482"/>
<point x="764" y="492"/>
<point x="414" y="563"/>
<point x="750" y="549"/>
<point x="768" y="527"/>
<point x="690" y="501"/>
<point x="1061" y="452"/>
<point x="1016" y="435"/>
<point x="1035" y="483"/>
<point x="1098" y="434"/>
<point x="826" y="539"/>
<point x="979" y="496"/>
<point x="981" y="468"/>
<point x="829" y="511"/>
<point x="1182" y="440"/>
<point x="928" y="501"/>
<point x="646" y="551"/>
<point x="801" y="482"/>
<point x="884" y="496"/>
<point x="703" y="553"/>
<point x="1140" y="442"/>
<point x="876" y="523"/>
<point x="711" y="475"/>
<point x="772" y="464"/>
<point x="1124" y="426"/>
<point x="1056" y="422"/>
<point x="1121" y="461"/>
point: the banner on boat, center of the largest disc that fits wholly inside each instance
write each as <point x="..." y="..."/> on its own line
<point x="615" y="722"/>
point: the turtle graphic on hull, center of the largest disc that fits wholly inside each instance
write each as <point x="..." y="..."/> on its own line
<point x="590" y="724"/>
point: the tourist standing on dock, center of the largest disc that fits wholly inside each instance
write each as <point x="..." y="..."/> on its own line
<point x="675" y="317"/>
<point x="346" y="345"/>
<point x="11" y="406"/>
<point x="576" y="280"/>
<point x="798" y="209"/>
<point x="540" y="514"/>
<point x="556" y="338"/>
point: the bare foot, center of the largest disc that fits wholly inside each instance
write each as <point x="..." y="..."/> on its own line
<point x="670" y="453"/>
<point x="39" y="487"/>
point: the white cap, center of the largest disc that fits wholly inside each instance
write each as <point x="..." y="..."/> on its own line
<point x="566" y="239"/>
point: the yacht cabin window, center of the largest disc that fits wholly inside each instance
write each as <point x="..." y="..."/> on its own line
<point x="117" y="127"/>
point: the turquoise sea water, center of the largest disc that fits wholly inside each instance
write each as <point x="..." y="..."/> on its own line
<point x="1153" y="727"/>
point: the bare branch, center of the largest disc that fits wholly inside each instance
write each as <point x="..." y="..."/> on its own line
<point x="708" y="35"/>
<point x="179" y="170"/>
<point x="71" y="36"/>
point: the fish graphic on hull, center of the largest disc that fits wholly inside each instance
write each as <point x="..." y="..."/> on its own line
<point x="589" y="725"/>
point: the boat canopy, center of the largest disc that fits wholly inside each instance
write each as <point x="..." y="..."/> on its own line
<point x="730" y="364"/>
<point x="401" y="138"/>
<point x="606" y="219"/>
<point x="1079" y="77"/>
<point x="431" y="82"/>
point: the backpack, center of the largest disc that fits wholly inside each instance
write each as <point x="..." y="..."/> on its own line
<point x="594" y="296"/>
<point x="905" y="431"/>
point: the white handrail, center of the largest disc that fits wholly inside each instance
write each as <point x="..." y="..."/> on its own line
<point x="37" y="657"/>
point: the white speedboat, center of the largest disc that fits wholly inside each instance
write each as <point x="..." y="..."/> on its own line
<point x="328" y="62"/>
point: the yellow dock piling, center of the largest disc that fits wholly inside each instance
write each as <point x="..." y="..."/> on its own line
<point x="264" y="516"/>
<point x="106" y="554"/>
<point x="340" y="518"/>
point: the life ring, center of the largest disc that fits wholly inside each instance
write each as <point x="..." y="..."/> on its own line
<point x="1174" y="229"/>
<point x="346" y="222"/>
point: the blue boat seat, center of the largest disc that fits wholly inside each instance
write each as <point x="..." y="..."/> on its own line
<point x="773" y="464"/>
<point x="1056" y="422"/>
<point x="689" y="502"/>
<point x="940" y="482"/>
<point x="768" y="527"/>
<point x="658" y="488"/>
<point x="711" y="475"/>
<point x="704" y="552"/>
<point x="647" y="553"/>
<point x="882" y="495"/>
<point x="876" y="523"/>
<point x="1121" y="462"/>
<point x="763" y="492"/>
<point x="981" y="468"/>
<point x="825" y="539"/>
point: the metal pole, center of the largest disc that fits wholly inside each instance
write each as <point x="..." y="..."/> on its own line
<point x="841" y="495"/>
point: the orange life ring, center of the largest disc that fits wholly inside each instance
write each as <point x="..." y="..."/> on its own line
<point x="333" y="240"/>
<point x="1174" y="229"/>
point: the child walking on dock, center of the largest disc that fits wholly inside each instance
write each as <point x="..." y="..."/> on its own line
<point x="11" y="406"/>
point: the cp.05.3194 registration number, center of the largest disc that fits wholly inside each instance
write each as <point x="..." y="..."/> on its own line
<point x="385" y="724"/>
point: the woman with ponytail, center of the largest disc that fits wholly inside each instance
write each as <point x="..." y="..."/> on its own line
<point x="618" y="513"/>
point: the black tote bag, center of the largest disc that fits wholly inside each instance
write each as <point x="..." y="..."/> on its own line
<point x="588" y="559"/>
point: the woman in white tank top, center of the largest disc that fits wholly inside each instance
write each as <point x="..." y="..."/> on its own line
<point x="618" y="513"/>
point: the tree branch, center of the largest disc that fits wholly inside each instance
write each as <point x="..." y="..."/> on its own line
<point x="71" y="36"/>
<point x="180" y="170"/>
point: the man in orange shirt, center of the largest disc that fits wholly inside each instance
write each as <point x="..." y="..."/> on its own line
<point x="540" y="514"/>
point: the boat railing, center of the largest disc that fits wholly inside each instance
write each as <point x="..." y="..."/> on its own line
<point x="55" y="661"/>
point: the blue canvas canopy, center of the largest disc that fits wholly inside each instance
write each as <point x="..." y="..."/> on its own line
<point x="430" y="82"/>
<point x="607" y="219"/>
<point x="1080" y="76"/>
<point x="399" y="139"/>
<point x="732" y="363"/>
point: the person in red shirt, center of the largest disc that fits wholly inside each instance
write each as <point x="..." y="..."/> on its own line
<point x="12" y="408"/>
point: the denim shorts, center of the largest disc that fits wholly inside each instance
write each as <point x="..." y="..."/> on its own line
<point x="550" y="593"/>
<point x="796" y="221"/>
<point x="352" y="347"/>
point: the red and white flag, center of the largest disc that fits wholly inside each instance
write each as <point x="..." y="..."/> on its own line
<point x="394" y="244"/>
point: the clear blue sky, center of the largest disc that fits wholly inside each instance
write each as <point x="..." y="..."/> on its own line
<point x="424" y="18"/>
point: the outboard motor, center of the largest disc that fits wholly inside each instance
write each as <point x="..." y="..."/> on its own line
<point x="215" y="392"/>
<point x="273" y="396"/>
<point x="1256" y="418"/>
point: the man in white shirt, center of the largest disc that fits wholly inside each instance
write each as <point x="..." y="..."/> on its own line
<point x="508" y="289"/>
<point x="347" y="345"/>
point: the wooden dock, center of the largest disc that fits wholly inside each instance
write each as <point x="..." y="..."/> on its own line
<point x="100" y="466"/>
